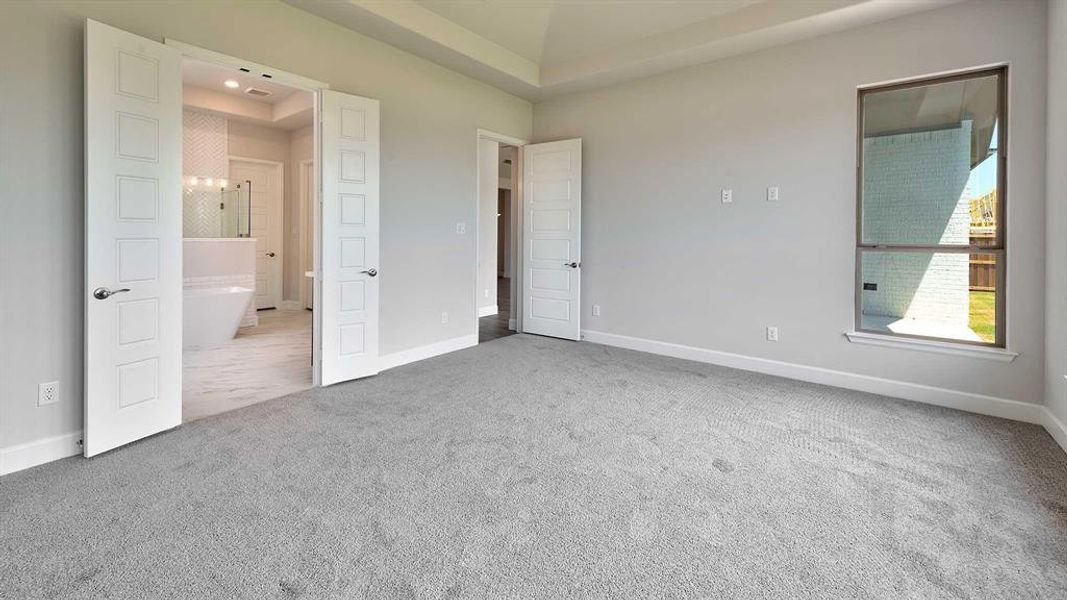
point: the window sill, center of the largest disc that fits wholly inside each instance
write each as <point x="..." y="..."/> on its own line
<point x="966" y="350"/>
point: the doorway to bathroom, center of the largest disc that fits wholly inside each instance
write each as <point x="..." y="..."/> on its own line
<point x="146" y="271"/>
<point x="247" y="146"/>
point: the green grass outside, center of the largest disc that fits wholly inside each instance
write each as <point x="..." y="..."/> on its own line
<point x="984" y="315"/>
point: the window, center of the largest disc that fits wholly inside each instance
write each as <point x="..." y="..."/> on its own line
<point x="930" y="238"/>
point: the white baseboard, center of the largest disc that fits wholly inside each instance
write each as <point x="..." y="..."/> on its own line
<point x="404" y="357"/>
<point x="38" y="452"/>
<point x="486" y="311"/>
<point x="1055" y="428"/>
<point x="967" y="401"/>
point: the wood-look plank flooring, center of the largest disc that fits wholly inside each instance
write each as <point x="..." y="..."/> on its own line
<point x="496" y="326"/>
<point x="261" y="363"/>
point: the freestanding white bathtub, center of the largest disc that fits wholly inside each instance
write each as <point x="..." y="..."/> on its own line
<point x="211" y="316"/>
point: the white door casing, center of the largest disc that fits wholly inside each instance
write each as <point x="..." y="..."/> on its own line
<point x="268" y="182"/>
<point x="133" y="237"/>
<point x="307" y="232"/>
<point x="348" y="302"/>
<point x="552" y="282"/>
<point x="488" y="184"/>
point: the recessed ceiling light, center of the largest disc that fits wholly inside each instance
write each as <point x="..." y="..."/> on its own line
<point x="232" y="84"/>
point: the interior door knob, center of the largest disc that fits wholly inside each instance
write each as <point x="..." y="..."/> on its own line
<point x="371" y="272"/>
<point x="572" y="265"/>
<point x="270" y="254"/>
<point x="102" y="293"/>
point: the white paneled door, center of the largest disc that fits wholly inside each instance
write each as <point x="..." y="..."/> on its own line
<point x="552" y="281"/>
<point x="265" y="181"/>
<point x="348" y="302"/>
<point x="133" y="229"/>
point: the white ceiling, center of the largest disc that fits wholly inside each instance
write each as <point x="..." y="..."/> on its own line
<point x="204" y="89"/>
<point x="931" y="106"/>
<point x="541" y="48"/>
<point x="936" y="106"/>
<point x="518" y="26"/>
<point x="556" y="31"/>
<point x="212" y="76"/>
<point x="579" y="29"/>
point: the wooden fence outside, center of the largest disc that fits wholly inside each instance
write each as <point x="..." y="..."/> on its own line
<point x="983" y="276"/>
<point x="983" y="273"/>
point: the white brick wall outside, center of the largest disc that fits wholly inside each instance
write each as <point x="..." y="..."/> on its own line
<point x="914" y="193"/>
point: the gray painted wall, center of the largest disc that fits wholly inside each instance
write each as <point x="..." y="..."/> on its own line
<point x="666" y="260"/>
<point x="430" y="116"/>
<point x="1056" y="310"/>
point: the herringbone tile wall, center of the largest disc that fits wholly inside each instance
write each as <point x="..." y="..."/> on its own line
<point x="204" y="155"/>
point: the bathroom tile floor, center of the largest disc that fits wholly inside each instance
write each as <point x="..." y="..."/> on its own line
<point x="270" y="360"/>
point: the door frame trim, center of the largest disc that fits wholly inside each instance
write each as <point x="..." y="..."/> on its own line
<point x="516" y="222"/>
<point x="277" y="287"/>
<point x="277" y="75"/>
<point x="305" y="192"/>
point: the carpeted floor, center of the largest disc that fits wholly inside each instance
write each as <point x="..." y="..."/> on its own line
<point x="529" y="467"/>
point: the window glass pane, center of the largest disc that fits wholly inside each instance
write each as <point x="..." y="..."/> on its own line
<point x="934" y="294"/>
<point x="930" y="164"/>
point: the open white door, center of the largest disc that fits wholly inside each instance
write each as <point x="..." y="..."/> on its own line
<point x="552" y="282"/>
<point x="348" y="304"/>
<point x="133" y="237"/>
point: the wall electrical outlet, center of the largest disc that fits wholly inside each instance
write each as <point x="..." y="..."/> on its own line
<point x="772" y="194"/>
<point x="772" y="334"/>
<point x="461" y="228"/>
<point x="444" y="318"/>
<point x="596" y="310"/>
<point x="727" y="196"/>
<point x="48" y="393"/>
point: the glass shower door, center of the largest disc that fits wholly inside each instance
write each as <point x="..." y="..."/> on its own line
<point x="236" y="210"/>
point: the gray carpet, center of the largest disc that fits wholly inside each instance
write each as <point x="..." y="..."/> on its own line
<point x="529" y="467"/>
